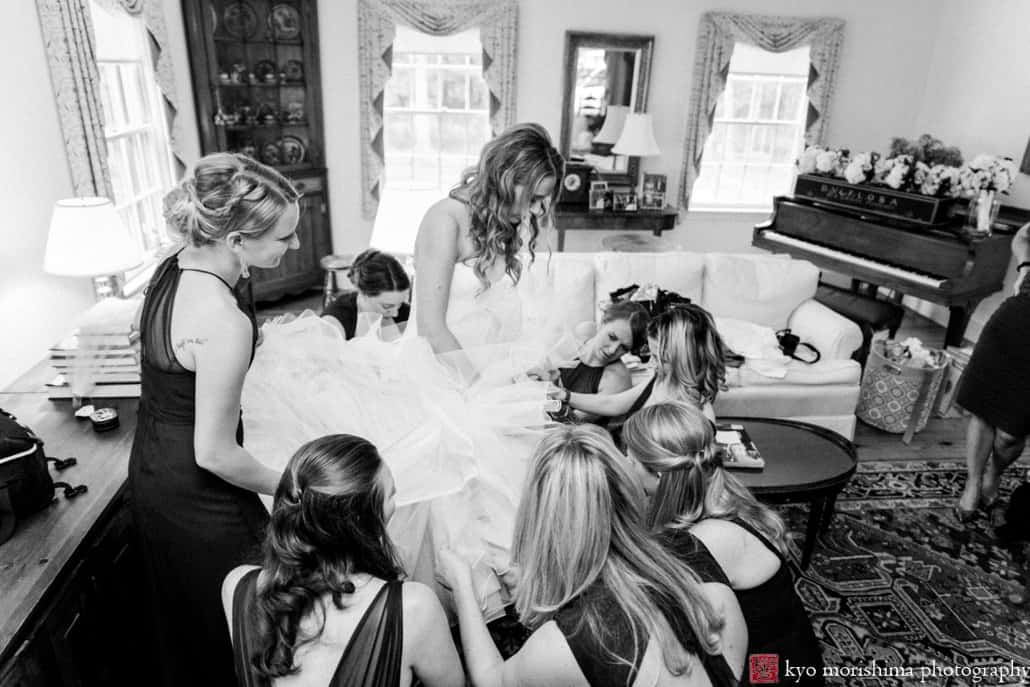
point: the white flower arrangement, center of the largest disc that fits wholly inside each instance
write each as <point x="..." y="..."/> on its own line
<point x="918" y="172"/>
<point x="987" y="173"/>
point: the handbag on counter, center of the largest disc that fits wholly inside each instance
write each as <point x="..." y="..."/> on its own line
<point x="25" y="482"/>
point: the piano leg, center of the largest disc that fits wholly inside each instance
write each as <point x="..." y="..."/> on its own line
<point x="957" y="321"/>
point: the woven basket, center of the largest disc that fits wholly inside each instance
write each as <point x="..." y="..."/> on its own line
<point x="897" y="398"/>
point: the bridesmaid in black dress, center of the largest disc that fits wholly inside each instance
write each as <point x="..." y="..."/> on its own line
<point x="709" y="519"/>
<point x="193" y="487"/>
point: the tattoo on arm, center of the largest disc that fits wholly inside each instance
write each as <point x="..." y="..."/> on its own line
<point x="182" y="343"/>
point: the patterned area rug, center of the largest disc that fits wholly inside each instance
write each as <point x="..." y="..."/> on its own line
<point x="899" y="591"/>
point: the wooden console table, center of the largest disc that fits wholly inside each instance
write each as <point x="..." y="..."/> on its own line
<point x="655" y="221"/>
<point x="72" y="605"/>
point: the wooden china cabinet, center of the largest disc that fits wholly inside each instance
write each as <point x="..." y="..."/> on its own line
<point x="257" y="87"/>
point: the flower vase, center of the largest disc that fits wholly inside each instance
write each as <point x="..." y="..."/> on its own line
<point x="983" y="211"/>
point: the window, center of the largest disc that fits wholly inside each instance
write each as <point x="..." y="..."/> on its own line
<point x="436" y="118"/>
<point x="758" y="131"/>
<point x="138" y="152"/>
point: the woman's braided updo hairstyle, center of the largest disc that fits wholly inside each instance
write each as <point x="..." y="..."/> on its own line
<point x="224" y="193"/>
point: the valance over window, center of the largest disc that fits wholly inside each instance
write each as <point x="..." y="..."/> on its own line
<point x="718" y="33"/>
<point x="497" y="21"/>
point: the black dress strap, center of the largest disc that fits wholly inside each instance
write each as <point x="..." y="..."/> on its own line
<point x="213" y="274"/>
<point x="372" y="657"/>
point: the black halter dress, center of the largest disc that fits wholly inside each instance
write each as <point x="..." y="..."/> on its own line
<point x="194" y="526"/>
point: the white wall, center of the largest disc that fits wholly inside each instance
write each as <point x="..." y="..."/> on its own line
<point x="35" y="308"/>
<point x="978" y="97"/>
<point x="886" y="54"/>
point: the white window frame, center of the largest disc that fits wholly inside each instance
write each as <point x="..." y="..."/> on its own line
<point x="421" y="71"/>
<point x="752" y="120"/>
<point x="159" y="169"/>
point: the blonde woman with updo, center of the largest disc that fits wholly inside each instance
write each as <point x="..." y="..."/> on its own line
<point x="193" y="486"/>
<point x="704" y="513"/>
<point x="608" y="605"/>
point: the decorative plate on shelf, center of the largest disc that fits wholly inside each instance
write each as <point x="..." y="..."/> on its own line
<point x="239" y="20"/>
<point x="294" y="70"/>
<point x="284" y="22"/>
<point x="266" y="71"/>
<point x="293" y="150"/>
<point x="271" y="155"/>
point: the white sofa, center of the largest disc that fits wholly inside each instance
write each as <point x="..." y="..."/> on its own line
<point x="774" y="292"/>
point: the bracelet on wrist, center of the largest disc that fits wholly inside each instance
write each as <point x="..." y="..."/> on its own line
<point x="1020" y="266"/>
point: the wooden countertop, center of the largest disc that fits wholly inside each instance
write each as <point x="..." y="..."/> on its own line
<point x="41" y="546"/>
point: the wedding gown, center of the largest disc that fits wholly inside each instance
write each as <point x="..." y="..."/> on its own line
<point x="458" y="449"/>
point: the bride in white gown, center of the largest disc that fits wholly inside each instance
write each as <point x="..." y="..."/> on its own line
<point x="439" y="402"/>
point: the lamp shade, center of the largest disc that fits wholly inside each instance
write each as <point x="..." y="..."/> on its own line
<point x="612" y="127"/>
<point x="89" y="239"/>
<point x="637" y="137"/>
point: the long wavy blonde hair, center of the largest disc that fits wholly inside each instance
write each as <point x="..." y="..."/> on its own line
<point x="512" y="164"/>
<point x="690" y="353"/>
<point x="676" y="441"/>
<point x="580" y="524"/>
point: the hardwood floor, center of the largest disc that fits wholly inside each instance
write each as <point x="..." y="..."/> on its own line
<point x="943" y="438"/>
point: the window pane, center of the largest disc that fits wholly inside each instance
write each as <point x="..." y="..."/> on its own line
<point x="432" y="91"/>
<point x="740" y="102"/>
<point x="767" y="99"/>
<point x="136" y="172"/>
<point x="427" y="133"/>
<point x="453" y="90"/>
<point x="398" y="88"/>
<point x="135" y="114"/>
<point x="479" y="97"/>
<point x="784" y="150"/>
<point x="400" y="133"/>
<point x="452" y="134"/>
<point x="790" y="101"/>
<point x="118" y="163"/>
<point x="454" y="59"/>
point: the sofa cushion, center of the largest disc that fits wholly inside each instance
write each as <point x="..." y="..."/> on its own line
<point x="682" y="272"/>
<point x="757" y="288"/>
<point x="557" y="293"/>
<point x="795" y="373"/>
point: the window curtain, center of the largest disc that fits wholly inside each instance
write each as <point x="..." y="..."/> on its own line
<point x="71" y="51"/>
<point x="717" y="34"/>
<point x="497" y="21"/>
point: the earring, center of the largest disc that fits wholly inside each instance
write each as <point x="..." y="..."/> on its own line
<point x="244" y="267"/>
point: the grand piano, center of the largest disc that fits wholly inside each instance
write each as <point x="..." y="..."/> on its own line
<point x="936" y="264"/>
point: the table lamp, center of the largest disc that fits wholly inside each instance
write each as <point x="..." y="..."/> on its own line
<point x="89" y="239"/>
<point x="611" y="129"/>
<point x="637" y="139"/>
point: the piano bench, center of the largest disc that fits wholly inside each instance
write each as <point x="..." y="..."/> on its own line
<point x="870" y="314"/>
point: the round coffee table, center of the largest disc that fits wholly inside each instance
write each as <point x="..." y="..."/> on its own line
<point x="803" y="463"/>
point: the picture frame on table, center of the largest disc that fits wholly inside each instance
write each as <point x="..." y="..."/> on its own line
<point x="654" y="183"/>
<point x="652" y="200"/>
<point x="598" y="191"/>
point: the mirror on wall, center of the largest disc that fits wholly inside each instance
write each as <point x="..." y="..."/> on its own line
<point x="606" y="78"/>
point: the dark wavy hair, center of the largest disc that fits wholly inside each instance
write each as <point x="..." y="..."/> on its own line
<point x="374" y="272"/>
<point x="520" y="156"/>
<point x="327" y="524"/>
<point x="635" y="314"/>
<point x="689" y="350"/>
